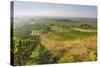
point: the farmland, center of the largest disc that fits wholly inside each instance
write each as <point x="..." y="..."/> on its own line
<point x="46" y="41"/>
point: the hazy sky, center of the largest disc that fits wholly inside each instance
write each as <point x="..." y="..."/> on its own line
<point x="22" y="8"/>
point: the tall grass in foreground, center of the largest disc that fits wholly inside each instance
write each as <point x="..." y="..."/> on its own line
<point x="72" y="50"/>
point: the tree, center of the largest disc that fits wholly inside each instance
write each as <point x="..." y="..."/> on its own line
<point x="85" y="26"/>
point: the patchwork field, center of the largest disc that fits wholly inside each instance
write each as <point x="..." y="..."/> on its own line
<point x="54" y="41"/>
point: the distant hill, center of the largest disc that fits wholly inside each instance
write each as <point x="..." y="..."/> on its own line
<point x="70" y="19"/>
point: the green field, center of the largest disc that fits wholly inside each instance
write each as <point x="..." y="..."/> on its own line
<point x="36" y="43"/>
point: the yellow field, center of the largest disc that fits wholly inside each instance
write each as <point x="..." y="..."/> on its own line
<point x="72" y="50"/>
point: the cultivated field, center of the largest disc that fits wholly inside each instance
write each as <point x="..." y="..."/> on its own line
<point x="46" y="41"/>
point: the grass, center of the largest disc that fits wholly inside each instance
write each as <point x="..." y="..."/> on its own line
<point x="83" y="30"/>
<point x="63" y="42"/>
<point x="59" y="29"/>
<point x="62" y="33"/>
<point x="35" y="32"/>
<point x="69" y="35"/>
<point x="73" y="46"/>
<point x="72" y="50"/>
